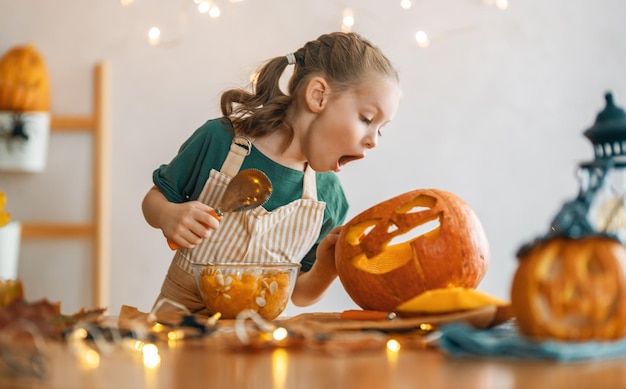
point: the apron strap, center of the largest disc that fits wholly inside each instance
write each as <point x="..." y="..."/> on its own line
<point x="239" y="149"/>
<point x="309" y="190"/>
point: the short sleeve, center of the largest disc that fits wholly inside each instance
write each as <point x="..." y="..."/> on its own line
<point x="183" y="178"/>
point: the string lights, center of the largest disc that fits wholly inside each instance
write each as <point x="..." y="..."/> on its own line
<point x="348" y="17"/>
<point x="348" y="20"/>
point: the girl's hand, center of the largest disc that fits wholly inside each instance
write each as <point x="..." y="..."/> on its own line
<point x="186" y="224"/>
<point x="311" y="285"/>
<point x="325" y="254"/>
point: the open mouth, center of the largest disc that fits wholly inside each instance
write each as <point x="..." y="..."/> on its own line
<point x="348" y="158"/>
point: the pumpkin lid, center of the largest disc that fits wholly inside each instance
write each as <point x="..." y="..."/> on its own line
<point x="609" y="130"/>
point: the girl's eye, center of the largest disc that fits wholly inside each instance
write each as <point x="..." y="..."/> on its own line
<point x="380" y="133"/>
<point x="366" y="120"/>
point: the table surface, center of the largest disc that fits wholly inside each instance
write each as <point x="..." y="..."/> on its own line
<point x="212" y="362"/>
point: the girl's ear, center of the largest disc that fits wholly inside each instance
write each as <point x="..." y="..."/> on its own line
<point x="316" y="94"/>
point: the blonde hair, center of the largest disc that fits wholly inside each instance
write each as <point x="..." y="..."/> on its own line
<point x="344" y="60"/>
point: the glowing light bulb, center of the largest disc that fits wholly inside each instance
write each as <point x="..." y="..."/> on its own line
<point x="87" y="357"/>
<point x="280" y="333"/>
<point x="154" y="36"/>
<point x="126" y="3"/>
<point x="502" y="4"/>
<point x="151" y="357"/>
<point x="422" y="39"/>
<point x="204" y="7"/>
<point x="393" y="345"/>
<point x="406" y="4"/>
<point x="92" y="358"/>
<point x="134" y="345"/>
<point x="79" y="334"/>
<point x="347" y="20"/>
<point x="176" y="335"/>
<point x="215" y="12"/>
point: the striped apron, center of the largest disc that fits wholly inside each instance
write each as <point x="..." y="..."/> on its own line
<point x="283" y="235"/>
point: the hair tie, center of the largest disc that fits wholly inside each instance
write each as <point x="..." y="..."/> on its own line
<point x="291" y="58"/>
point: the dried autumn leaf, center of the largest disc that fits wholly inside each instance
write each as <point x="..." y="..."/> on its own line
<point x="10" y="290"/>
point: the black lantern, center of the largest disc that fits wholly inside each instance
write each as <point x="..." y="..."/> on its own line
<point x="606" y="174"/>
<point x="599" y="208"/>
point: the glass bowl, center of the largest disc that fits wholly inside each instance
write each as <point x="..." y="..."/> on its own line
<point x="229" y="288"/>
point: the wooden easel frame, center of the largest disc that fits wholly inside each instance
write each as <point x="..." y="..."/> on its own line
<point x="99" y="228"/>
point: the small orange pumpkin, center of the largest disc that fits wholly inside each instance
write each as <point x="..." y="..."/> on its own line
<point x="380" y="274"/>
<point x="571" y="289"/>
<point x="24" y="82"/>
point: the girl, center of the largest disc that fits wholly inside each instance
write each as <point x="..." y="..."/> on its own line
<point x="343" y="91"/>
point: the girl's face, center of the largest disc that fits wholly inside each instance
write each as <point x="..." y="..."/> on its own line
<point x="350" y="124"/>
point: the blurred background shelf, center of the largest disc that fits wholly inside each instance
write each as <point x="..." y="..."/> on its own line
<point x="98" y="229"/>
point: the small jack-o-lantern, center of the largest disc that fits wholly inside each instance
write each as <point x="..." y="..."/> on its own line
<point x="23" y="81"/>
<point x="420" y="240"/>
<point x="571" y="289"/>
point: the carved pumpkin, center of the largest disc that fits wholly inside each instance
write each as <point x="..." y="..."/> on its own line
<point x="571" y="289"/>
<point x="380" y="273"/>
<point x="23" y="81"/>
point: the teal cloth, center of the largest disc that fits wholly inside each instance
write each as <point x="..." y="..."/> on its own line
<point x="505" y="341"/>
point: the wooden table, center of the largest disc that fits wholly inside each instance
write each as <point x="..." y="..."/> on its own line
<point x="207" y="363"/>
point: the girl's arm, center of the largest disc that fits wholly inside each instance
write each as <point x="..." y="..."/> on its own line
<point x="185" y="224"/>
<point x="311" y="285"/>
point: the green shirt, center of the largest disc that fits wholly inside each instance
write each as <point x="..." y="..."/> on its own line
<point x="184" y="177"/>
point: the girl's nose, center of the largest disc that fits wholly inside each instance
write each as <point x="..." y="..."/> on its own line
<point x="371" y="140"/>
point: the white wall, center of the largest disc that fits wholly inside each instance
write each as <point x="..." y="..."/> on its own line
<point x="494" y="111"/>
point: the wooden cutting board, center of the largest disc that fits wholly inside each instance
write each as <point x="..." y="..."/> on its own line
<point x="483" y="317"/>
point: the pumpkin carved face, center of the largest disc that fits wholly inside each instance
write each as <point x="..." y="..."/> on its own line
<point x="23" y="81"/>
<point x="572" y="289"/>
<point x="380" y="274"/>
